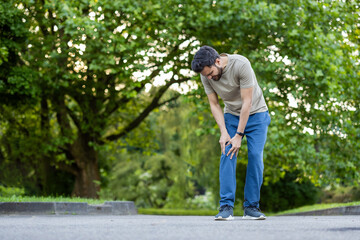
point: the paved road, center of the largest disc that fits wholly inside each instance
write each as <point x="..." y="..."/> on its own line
<point x="64" y="227"/>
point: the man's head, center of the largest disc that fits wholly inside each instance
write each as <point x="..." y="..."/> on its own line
<point x="207" y="62"/>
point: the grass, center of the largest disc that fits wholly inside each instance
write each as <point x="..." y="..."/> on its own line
<point x="184" y="212"/>
<point x="50" y="199"/>
<point x="179" y="212"/>
<point x="316" y="207"/>
<point x="239" y="212"/>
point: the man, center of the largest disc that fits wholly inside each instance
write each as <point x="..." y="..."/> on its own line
<point x="246" y="114"/>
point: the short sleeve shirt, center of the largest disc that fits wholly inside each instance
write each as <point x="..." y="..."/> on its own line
<point x="237" y="74"/>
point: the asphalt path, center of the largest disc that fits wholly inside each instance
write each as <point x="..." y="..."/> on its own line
<point x="73" y="227"/>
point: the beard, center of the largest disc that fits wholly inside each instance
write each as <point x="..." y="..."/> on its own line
<point x="217" y="77"/>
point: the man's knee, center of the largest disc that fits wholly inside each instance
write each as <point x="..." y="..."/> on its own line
<point x="255" y="155"/>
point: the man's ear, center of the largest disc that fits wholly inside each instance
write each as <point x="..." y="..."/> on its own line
<point x="217" y="61"/>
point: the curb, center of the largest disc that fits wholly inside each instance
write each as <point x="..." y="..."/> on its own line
<point x="74" y="208"/>
<point x="338" y="211"/>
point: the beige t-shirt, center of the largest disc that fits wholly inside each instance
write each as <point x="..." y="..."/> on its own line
<point x="237" y="74"/>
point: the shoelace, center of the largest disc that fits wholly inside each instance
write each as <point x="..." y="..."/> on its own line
<point x="225" y="208"/>
<point x="255" y="209"/>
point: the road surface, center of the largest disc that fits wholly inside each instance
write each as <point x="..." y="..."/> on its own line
<point x="73" y="227"/>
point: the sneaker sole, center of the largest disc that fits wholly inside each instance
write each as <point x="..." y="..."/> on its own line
<point x="224" y="219"/>
<point x="254" y="218"/>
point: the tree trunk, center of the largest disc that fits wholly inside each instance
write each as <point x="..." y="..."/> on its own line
<point x="88" y="175"/>
<point x="47" y="173"/>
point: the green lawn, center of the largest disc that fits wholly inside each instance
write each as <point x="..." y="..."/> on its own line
<point x="153" y="211"/>
<point x="239" y="212"/>
<point x="316" y="207"/>
<point x="50" y="199"/>
<point x="178" y="212"/>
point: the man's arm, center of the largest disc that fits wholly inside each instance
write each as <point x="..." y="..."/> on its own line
<point x="246" y="98"/>
<point x="219" y="118"/>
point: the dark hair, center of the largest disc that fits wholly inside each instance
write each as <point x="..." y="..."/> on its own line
<point x="206" y="56"/>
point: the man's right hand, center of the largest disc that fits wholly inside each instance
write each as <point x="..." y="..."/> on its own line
<point x="224" y="138"/>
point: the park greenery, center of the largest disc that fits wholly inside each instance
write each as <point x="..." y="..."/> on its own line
<point x="97" y="98"/>
<point x="177" y="211"/>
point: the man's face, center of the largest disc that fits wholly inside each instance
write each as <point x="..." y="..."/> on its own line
<point x="214" y="72"/>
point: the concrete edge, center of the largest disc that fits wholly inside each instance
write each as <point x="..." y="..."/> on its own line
<point x="72" y="208"/>
<point x="338" y="211"/>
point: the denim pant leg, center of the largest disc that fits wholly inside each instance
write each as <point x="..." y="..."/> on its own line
<point x="255" y="131"/>
<point x="227" y="171"/>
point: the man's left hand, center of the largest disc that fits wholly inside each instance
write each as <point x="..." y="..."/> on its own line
<point x="236" y="144"/>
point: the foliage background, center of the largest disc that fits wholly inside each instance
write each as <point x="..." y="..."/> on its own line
<point x="97" y="98"/>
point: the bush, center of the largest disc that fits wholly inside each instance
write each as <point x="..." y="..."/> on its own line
<point x="288" y="193"/>
<point x="205" y="201"/>
<point x="341" y="195"/>
<point x="11" y="191"/>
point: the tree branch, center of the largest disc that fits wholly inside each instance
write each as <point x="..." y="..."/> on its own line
<point x="169" y="100"/>
<point x="154" y="104"/>
<point x="61" y="115"/>
<point x="67" y="168"/>
<point x="126" y="99"/>
<point x="74" y="118"/>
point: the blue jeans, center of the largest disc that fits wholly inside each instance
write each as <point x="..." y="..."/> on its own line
<point x="255" y="132"/>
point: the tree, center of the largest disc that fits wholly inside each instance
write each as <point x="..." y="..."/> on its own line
<point x="175" y="168"/>
<point x="17" y="91"/>
<point x="303" y="53"/>
<point x="93" y="63"/>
